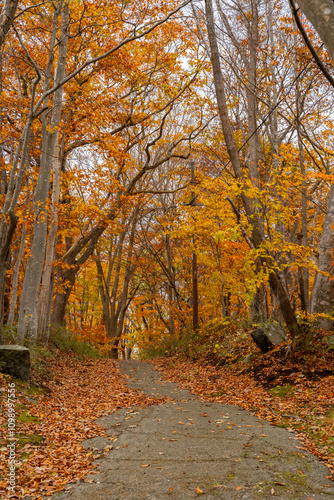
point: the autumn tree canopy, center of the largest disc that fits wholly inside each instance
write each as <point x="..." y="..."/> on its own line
<point x="106" y="110"/>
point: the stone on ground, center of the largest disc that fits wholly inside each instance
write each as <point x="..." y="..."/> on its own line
<point x="15" y="360"/>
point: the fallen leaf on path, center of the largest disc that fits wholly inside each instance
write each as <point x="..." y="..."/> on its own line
<point x="87" y="389"/>
<point x="308" y="407"/>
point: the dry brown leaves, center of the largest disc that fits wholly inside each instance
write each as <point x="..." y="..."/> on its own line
<point x="80" y="392"/>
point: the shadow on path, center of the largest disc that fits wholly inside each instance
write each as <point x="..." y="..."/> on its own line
<point x="190" y="448"/>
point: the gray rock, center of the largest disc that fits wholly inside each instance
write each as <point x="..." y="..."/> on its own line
<point x="261" y="340"/>
<point x="275" y="333"/>
<point x="268" y="335"/>
<point x="15" y="360"/>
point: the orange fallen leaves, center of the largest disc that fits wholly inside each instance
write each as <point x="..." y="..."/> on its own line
<point x="79" y="392"/>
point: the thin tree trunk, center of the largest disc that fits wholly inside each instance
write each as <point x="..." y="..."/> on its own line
<point x="16" y="274"/>
<point x="51" y="243"/>
<point x="304" y="273"/>
<point x="169" y="286"/>
<point x="4" y="260"/>
<point x="47" y="324"/>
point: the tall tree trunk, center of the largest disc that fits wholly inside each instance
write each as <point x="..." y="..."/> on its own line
<point x="9" y="219"/>
<point x="48" y="310"/>
<point x="169" y="286"/>
<point x="16" y="272"/>
<point x="6" y="18"/>
<point x="304" y="273"/>
<point x="50" y="246"/>
<point x="27" y="323"/>
<point x="257" y="236"/>
<point x="322" y="297"/>
<point x="4" y="259"/>
<point x="252" y="102"/>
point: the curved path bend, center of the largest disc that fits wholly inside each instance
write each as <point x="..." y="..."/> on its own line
<point x="189" y="448"/>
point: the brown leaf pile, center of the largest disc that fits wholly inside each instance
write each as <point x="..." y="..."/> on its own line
<point x="80" y="391"/>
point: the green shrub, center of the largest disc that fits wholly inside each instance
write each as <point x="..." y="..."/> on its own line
<point x="9" y="334"/>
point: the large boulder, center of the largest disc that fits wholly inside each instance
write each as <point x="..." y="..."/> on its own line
<point x="268" y="335"/>
<point x="15" y="360"/>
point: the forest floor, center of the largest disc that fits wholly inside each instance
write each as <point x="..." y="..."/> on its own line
<point x="57" y="411"/>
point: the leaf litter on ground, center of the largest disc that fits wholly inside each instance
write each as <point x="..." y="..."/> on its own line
<point x="51" y="424"/>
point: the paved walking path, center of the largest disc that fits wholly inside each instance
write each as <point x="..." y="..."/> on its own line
<point x="188" y="446"/>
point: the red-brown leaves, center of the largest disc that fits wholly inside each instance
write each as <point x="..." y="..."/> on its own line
<point x="80" y="391"/>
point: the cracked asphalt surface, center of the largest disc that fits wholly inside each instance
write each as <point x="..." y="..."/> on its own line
<point x="189" y="448"/>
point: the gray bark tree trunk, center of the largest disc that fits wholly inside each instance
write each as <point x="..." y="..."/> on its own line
<point x="44" y="295"/>
<point x="322" y="298"/>
<point x="321" y="14"/>
<point x="170" y="290"/>
<point x="257" y="237"/>
<point x="6" y="18"/>
<point x="13" y="299"/>
<point x="27" y="323"/>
